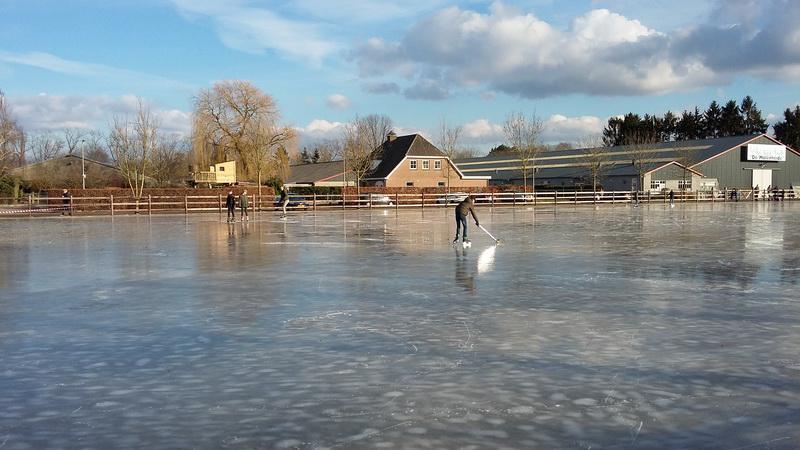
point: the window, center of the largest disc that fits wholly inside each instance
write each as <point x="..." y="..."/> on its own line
<point x="426" y="165"/>
<point x="412" y="164"/>
<point x="437" y="165"/>
<point x="409" y="184"/>
<point x="222" y="168"/>
<point x="685" y="184"/>
<point x="657" y="185"/>
<point x="441" y="184"/>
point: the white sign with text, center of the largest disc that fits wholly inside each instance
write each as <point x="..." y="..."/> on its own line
<point x="765" y="152"/>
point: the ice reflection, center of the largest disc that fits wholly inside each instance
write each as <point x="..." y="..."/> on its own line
<point x="614" y="327"/>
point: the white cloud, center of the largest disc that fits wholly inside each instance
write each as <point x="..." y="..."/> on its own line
<point x="599" y="53"/>
<point x="559" y="128"/>
<point x="338" y="101"/>
<point x="481" y="130"/>
<point x="251" y="29"/>
<point x="56" y="64"/>
<point x="53" y="112"/>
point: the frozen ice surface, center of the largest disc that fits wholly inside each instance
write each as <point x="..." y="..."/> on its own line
<point x="614" y="327"/>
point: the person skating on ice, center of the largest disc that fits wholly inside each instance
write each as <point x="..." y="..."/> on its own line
<point x="671" y="198"/>
<point x="467" y="206"/>
<point x="284" y="200"/>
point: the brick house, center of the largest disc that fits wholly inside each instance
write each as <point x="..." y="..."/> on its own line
<point x="413" y="161"/>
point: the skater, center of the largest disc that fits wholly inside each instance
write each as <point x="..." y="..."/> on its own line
<point x="284" y="200"/>
<point x="243" y="206"/>
<point x="671" y="197"/>
<point x="67" y="201"/>
<point x="230" y="203"/>
<point x="465" y="207"/>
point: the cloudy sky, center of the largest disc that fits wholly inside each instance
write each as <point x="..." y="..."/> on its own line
<point x="573" y="63"/>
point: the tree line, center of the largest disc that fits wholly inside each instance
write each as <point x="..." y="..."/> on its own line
<point x="716" y="121"/>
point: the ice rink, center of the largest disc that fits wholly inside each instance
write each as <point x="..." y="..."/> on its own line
<point x="611" y="327"/>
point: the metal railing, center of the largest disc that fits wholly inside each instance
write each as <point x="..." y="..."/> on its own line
<point x="151" y="204"/>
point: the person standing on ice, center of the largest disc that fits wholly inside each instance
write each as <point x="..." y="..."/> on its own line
<point x="230" y="203"/>
<point x="671" y="198"/>
<point x="243" y="205"/>
<point x="467" y="206"/>
<point x="284" y="200"/>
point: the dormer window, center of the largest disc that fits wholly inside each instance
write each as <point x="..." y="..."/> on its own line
<point x="412" y="164"/>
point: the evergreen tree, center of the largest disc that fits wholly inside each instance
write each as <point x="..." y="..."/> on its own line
<point x="713" y="120"/>
<point x="731" y="121"/>
<point x="788" y="131"/>
<point x="315" y="158"/>
<point x="669" y="127"/>
<point x="751" y="116"/>
<point x="690" y="126"/>
<point x="305" y="157"/>
<point x="612" y="133"/>
<point x="501" y="149"/>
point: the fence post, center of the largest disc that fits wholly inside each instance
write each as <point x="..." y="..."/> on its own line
<point x="111" y="202"/>
<point x="30" y="205"/>
<point x="492" y="194"/>
<point x="514" y="198"/>
<point x="576" y="197"/>
<point x="613" y="196"/>
<point x="186" y="204"/>
<point x="555" y="198"/>
<point x="423" y="200"/>
<point x="219" y="203"/>
<point x="648" y="197"/>
<point x="149" y="205"/>
<point x="396" y="201"/>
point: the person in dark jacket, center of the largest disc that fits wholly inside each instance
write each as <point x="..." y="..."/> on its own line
<point x="67" y="201"/>
<point x="243" y="204"/>
<point x="462" y="210"/>
<point x="671" y="197"/>
<point x="230" y="203"/>
<point x="284" y="200"/>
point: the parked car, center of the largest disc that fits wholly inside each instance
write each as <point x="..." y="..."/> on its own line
<point x="376" y="199"/>
<point x="453" y="197"/>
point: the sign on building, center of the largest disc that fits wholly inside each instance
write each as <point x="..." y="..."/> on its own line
<point x="766" y="152"/>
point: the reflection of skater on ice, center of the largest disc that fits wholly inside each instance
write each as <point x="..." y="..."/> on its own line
<point x="464" y="276"/>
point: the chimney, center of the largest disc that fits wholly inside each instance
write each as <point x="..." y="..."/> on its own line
<point x="391" y="136"/>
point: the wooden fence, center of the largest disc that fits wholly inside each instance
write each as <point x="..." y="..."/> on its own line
<point x="185" y="204"/>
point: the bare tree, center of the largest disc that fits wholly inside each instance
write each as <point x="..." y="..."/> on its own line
<point x="72" y="138"/>
<point x="596" y="156"/>
<point x="642" y="151"/>
<point x="687" y="156"/>
<point x="12" y="137"/>
<point x="229" y="118"/>
<point x="375" y="127"/>
<point x="132" y="145"/>
<point x="265" y="141"/>
<point x="358" y="150"/>
<point x="328" y="149"/>
<point x="466" y="153"/>
<point x="45" y="145"/>
<point x="448" y="143"/>
<point x="94" y="143"/>
<point x="167" y="161"/>
<point x="522" y="133"/>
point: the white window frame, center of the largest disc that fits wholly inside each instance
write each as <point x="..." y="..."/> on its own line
<point x="657" y="185"/>
<point x="437" y="164"/>
<point x="426" y="164"/>
<point x="685" y="184"/>
<point x="409" y="184"/>
<point x="412" y="164"/>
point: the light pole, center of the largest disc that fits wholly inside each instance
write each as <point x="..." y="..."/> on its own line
<point x="83" y="168"/>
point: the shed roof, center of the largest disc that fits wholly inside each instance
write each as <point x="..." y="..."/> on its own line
<point x="332" y="171"/>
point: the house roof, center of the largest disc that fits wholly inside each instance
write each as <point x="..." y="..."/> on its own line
<point x="618" y="160"/>
<point x="332" y="171"/>
<point x="393" y="152"/>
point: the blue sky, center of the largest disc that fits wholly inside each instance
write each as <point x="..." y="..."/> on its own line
<point x="573" y="63"/>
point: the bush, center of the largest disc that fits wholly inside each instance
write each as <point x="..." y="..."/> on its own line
<point x="11" y="186"/>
